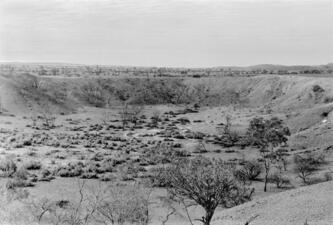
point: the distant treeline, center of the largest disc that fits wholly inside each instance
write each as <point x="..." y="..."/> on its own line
<point x="83" y="70"/>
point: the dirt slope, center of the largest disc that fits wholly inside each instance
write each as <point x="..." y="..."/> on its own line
<point x="10" y="99"/>
<point x="312" y="203"/>
<point x="306" y="101"/>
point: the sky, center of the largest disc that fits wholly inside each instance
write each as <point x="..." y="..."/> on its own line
<point x="178" y="33"/>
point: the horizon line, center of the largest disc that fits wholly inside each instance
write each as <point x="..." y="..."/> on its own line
<point x="154" y="66"/>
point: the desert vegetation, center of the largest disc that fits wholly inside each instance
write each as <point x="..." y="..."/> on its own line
<point x="153" y="149"/>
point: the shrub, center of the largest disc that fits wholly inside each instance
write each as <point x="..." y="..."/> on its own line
<point x="70" y="170"/>
<point x="33" y="165"/>
<point x="97" y="157"/>
<point x="241" y="176"/>
<point x="251" y="169"/>
<point x="107" y="165"/>
<point x="21" y="173"/>
<point x="18" y="183"/>
<point x="317" y="88"/>
<point x="7" y="167"/>
<point x="157" y="178"/>
<point x="128" y="172"/>
<point x="89" y="175"/>
<point x="46" y="173"/>
<point x="162" y="153"/>
<point x="279" y="179"/>
<point x="107" y="177"/>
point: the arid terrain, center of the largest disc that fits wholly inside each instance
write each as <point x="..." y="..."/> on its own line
<point x="62" y="135"/>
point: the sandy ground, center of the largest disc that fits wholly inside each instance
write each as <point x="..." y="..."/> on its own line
<point x="313" y="203"/>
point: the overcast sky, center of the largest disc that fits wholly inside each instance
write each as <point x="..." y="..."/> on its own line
<point x="191" y="33"/>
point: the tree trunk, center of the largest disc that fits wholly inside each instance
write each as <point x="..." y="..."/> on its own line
<point x="208" y="217"/>
<point x="266" y="178"/>
<point x="266" y="175"/>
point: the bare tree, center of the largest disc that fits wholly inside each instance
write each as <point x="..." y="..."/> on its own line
<point x="31" y="82"/>
<point x="61" y="212"/>
<point x="43" y="115"/>
<point x="208" y="183"/>
<point x="130" y="114"/>
<point x="37" y="82"/>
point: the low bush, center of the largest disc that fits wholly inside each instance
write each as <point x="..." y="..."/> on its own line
<point x="107" y="177"/>
<point x="106" y="165"/>
<point x="89" y="175"/>
<point x="46" y="173"/>
<point x="157" y="178"/>
<point x="317" y="88"/>
<point x="279" y="179"/>
<point x="162" y="153"/>
<point x="33" y="165"/>
<point x="70" y="170"/>
<point x="251" y="169"/>
<point x="7" y="167"/>
<point x="18" y="183"/>
<point x="21" y="173"/>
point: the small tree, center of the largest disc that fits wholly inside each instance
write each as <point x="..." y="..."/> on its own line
<point x="304" y="167"/>
<point x="208" y="183"/>
<point x="267" y="134"/>
<point x="130" y="113"/>
<point x="227" y="137"/>
<point x="136" y="111"/>
<point x="43" y="115"/>
<point x="282" y="159"/>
